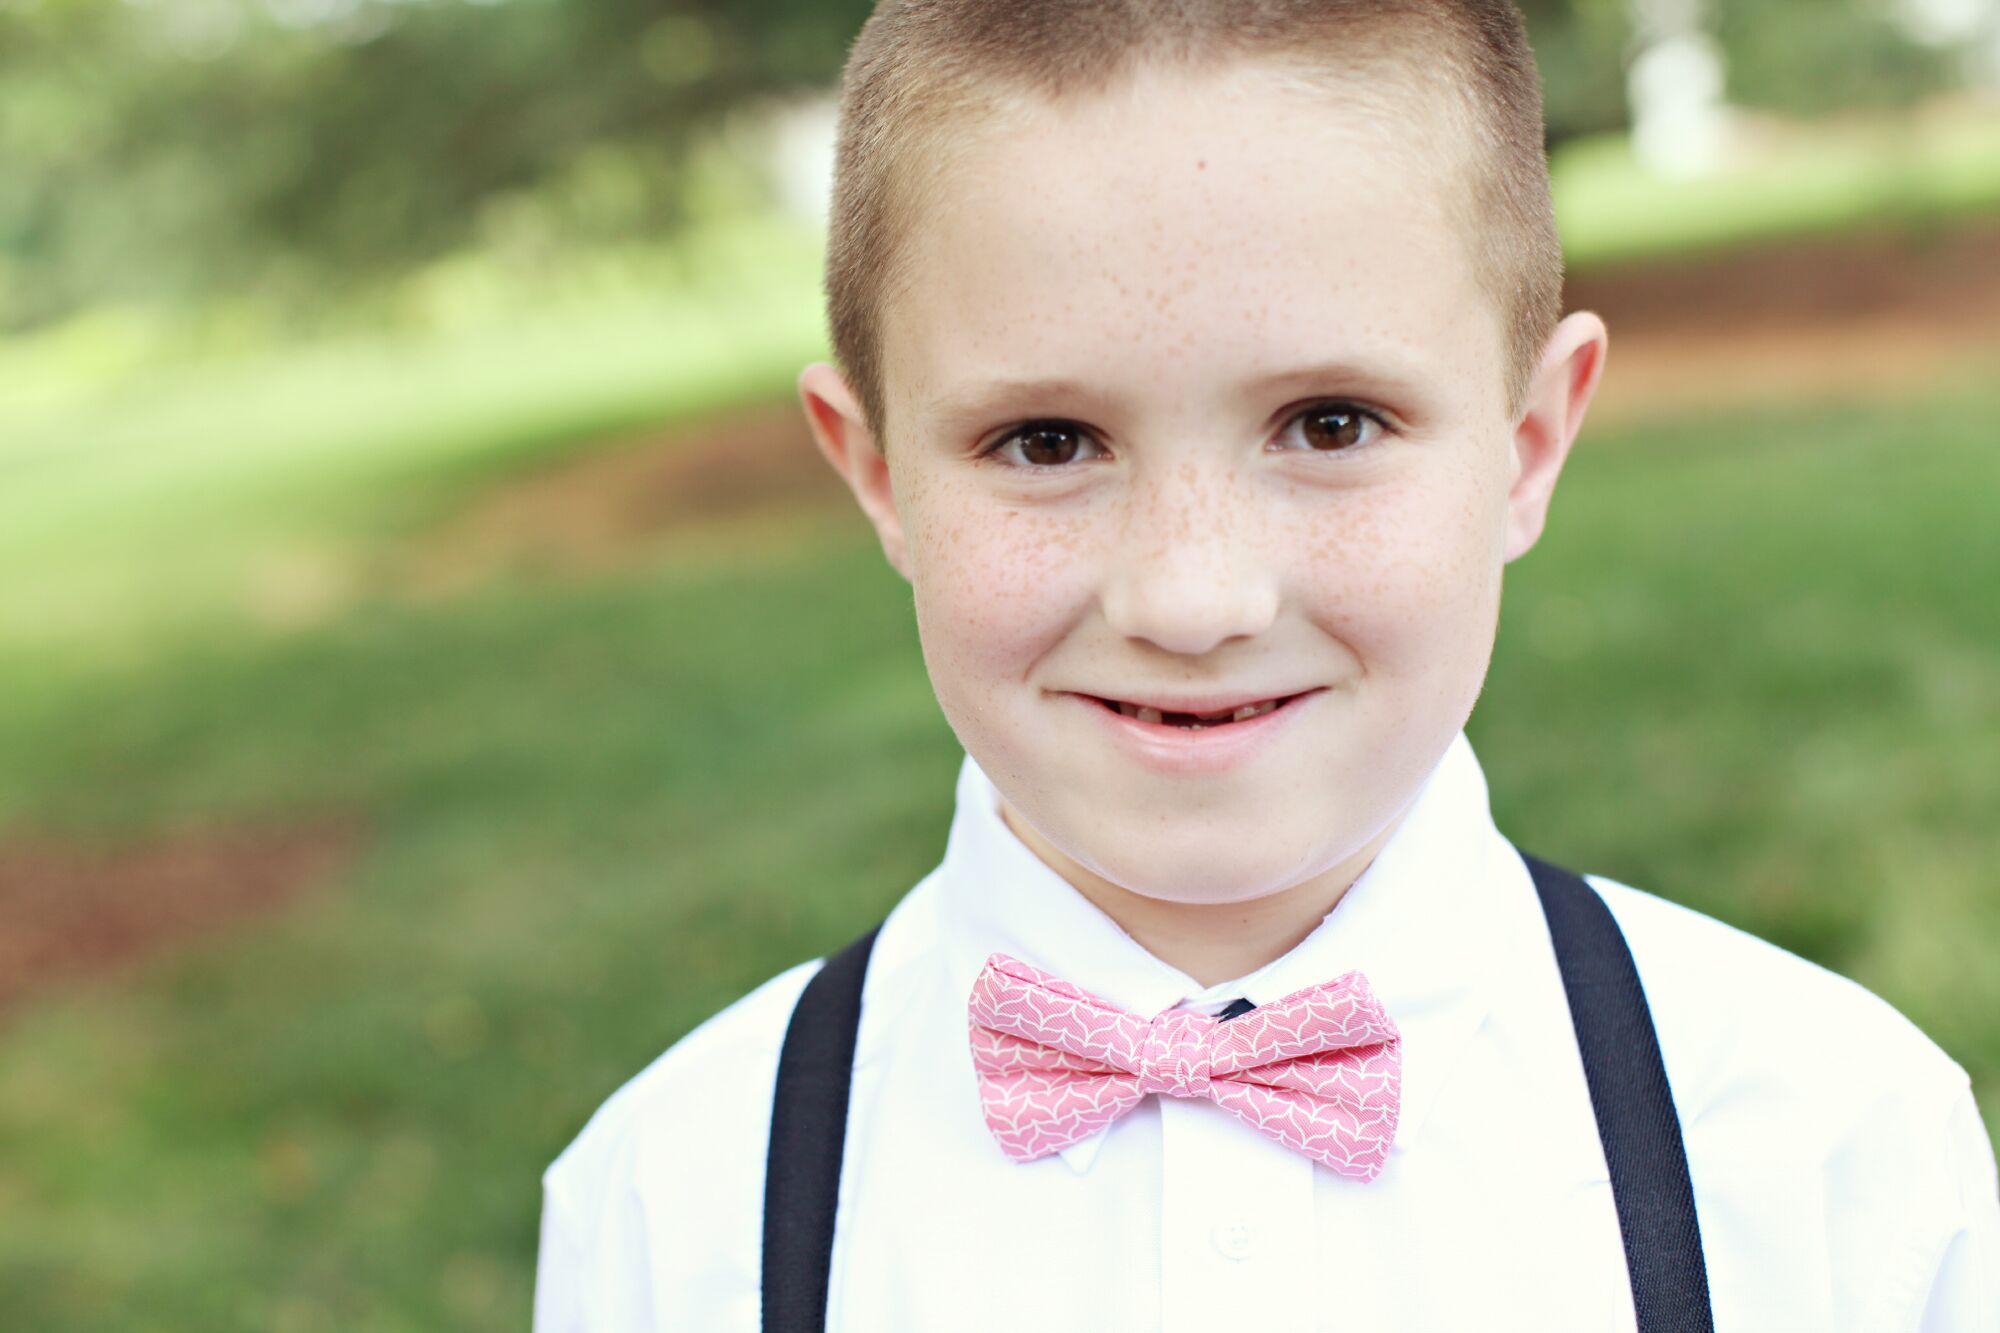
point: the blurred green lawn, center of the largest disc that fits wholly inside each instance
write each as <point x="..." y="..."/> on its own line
<point x="1751" y="668"/>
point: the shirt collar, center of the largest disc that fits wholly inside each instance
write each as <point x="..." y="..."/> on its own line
<point x="1415" y="923"/>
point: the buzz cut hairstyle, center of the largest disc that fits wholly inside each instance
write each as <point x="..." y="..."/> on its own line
<point x="923" y="75"/>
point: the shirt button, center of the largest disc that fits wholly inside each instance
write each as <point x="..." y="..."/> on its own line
<point x="1235" y="1240"/>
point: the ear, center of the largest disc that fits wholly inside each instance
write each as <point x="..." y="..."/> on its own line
<point x="841" y="430"/>
<point x="1557" y="398"/>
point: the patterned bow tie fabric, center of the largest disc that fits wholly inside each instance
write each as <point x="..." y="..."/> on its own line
<point x="1320" y="1071"/>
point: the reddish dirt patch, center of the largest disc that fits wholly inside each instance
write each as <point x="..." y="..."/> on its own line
<point x="636" y="497"/>
<point x="1822" y="318"/>
<point x="68" y="913"/>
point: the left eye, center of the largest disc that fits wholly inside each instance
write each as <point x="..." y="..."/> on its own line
<point x="1331" y="428"/>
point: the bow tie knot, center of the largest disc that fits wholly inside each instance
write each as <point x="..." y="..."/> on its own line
<point x="1177" y="1058"/>
<point x="1319" y="1070"/>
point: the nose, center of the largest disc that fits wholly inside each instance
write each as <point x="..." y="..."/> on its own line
<point x="1189" y="574"/>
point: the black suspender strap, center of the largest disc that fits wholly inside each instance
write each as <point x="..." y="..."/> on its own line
<point x="1629" y="1095"/>
<point x="808" y="1136"/>
<point x="1636" y="1120"/>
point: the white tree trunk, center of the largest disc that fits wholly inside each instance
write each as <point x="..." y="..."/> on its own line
<point x="1680" y="122"/>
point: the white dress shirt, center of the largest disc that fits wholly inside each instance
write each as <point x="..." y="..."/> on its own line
<point x="1842" y="1175"/>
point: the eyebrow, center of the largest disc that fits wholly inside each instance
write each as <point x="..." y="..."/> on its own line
<point x="1392" y="376"/>
<point x="987" y="397"/>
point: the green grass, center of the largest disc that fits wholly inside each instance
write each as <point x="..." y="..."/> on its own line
<point x="570" y="796"/>
<point x="1750" y="667"/>
<point x="1753" y="668"/>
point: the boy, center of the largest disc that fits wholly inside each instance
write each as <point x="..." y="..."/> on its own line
<point x="1201" y="371"/>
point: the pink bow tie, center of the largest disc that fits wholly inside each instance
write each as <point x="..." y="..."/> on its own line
<point x="1320" y="1071"/>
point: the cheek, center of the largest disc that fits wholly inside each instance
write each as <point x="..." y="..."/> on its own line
<point x="1410" y="575"/>
<point x="994" y="587"/>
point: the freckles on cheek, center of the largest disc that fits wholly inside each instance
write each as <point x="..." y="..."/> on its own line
<point x="1407" y="580"/>
<point x="1345" y="551"/>
<point x="995" y="586"/>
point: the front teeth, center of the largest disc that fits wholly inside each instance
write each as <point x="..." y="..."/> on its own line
<point x="1154" y="715"/>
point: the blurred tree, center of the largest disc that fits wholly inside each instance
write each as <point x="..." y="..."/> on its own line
<point x="176" y="149"/>
<point x="167" y="147"/>
<point x="1813" y="56"/>
<point x="1582" y="47"/>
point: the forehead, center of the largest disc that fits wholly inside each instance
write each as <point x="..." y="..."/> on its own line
<point x="1189" y="229"/>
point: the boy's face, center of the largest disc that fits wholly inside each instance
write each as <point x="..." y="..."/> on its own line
<point x="1195" y="403"/>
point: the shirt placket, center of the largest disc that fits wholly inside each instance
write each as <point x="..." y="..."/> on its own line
<point x="1236" y="1218"/>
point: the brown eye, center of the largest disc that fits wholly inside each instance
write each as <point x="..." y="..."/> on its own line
<point x="1046" y="443"/>
<point x="1334" y="427"/>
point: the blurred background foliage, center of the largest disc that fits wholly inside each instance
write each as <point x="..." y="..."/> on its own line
<point x="181" y="148"/>
<point x="417" y="593"/>
<point x="290" y="151"/>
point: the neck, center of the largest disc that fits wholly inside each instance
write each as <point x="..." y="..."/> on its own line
<point x="1211" y="942"/>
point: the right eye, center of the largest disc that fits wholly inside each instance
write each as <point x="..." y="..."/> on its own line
<point x="1044" y="444"/>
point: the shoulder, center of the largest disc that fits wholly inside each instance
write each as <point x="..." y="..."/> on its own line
<point x="709" y="1094"/>
<point x="709" y="1084"/>
<point x="1740" y="1008"/>
<point x="653" y="1216"/>
<point x="1803" y="1095"/>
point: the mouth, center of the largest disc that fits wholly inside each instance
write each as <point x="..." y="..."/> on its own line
<point x="1208" y="719"/>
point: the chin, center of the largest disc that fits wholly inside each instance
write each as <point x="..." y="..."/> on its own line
<point x="1200" y="867"/>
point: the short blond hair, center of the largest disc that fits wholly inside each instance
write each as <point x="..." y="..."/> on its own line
<point x="921" y="68"/>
